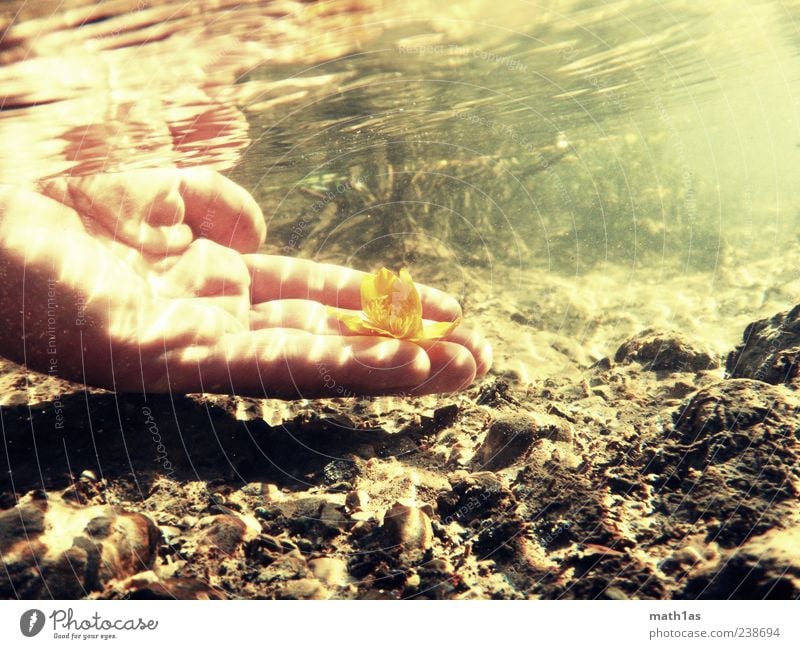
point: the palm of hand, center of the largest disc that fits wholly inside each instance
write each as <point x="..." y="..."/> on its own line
<point x="149" y="281"/>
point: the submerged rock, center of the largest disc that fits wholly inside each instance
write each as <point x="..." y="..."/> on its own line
<point x="227" y="531"/>
<point x="474" y="496"/>
<point x="769" y="351"/>
<point x="329" y="570"/>
<point x="510" y="439"/>
<point x="305" y="588"/>
<point x="409" y="527"/>
<point x="731" y="461"/>
<point x="53" y="549"/>
<point x="766" y="567"/>
<point x="661" y="350"/>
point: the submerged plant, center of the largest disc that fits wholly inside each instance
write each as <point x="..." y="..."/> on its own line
<point x="391" y="306"/>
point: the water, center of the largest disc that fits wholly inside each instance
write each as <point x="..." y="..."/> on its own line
<point x="621" y="132"/>
<point x="588" y="167"/>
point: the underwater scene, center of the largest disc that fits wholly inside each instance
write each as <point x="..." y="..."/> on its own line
<point x="354" y="299"/>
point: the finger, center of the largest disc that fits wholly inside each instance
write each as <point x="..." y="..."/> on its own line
<point x="140" y="208"/>
<point x="220" y="210"/>
<point x="291" y="365"/>
<point x="305" y="315"/>
<point x="479" y="347"/>
<point x="275" y="277"/>
<point x="453" y="368"/>
<point x="314" y="317"/>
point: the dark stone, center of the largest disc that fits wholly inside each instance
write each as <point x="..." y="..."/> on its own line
<point x="670" y="351"/>
<point x="510" y="438"/>
<point x="769" y="351"/>
<point x="601" y="365"/>
<point x="20" y="523"/>
<point x="339" y="471"/>
<point x="445" y="416"/>
<point x="226" y="533"/>
<point x="766" y="567"/>
<point x="731" y="460"/>
<point x="477" y="496"/>
<point x="100" y="527"/>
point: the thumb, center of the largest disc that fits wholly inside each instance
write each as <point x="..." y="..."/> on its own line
<point x="143" y="209"/>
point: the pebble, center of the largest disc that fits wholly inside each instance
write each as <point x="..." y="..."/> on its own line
<point x="305" y="546"/>
<point x="688" y="556"/>
<point x="413" y="580"/>
<point x="331" y="518"/>
<point x="306" y="588"/>
<point x="356" y="500"/>
<point x="459" y="457"/>
<point x="227" y="531"/>
<point x="439" y="565"/>
<point x="329" y="570"/>
<point x="445" y="416"/>
<point x="408" y="526"/>
<point x="510" y="438"/>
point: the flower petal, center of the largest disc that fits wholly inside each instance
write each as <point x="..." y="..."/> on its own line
<point x="355" y="323"/>
<point x="391" y="306"/>
<point x="436" y="330"/>
<point x="413" y="293"/>
<point x="377" y="286"/>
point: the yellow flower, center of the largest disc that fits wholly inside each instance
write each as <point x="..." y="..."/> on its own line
<point x="391" y="306"/>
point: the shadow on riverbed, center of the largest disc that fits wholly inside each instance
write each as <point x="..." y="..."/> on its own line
<point x="133" y="441"/>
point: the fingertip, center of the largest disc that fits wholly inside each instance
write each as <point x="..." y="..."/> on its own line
<point x="438" y="305"/>
<point x="219" y="209"/>
<point x="452" y="308"/>
<point x="453" y="368"/>
<point x="485" y="358"/>
<point x="478" y="346"/>
<point x="463" y="368"/>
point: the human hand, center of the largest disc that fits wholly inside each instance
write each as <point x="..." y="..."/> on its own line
<point x="150" y="281"/>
